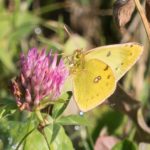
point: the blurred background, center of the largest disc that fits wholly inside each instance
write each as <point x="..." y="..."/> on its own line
<point x="40" y="23"/>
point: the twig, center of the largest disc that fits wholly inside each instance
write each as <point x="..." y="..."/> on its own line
<point x="143" y="17"/>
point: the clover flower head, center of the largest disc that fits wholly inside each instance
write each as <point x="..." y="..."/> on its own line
<point x="41" y="76"/>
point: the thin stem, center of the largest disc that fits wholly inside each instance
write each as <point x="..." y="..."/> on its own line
<point x="24" y="138"/>
<point x="28" y="129"/>
<point x="143" y="17"/>
<point x="43" y="133"/>
<point x="90" y="138"/>
<point x="39" y="116"/>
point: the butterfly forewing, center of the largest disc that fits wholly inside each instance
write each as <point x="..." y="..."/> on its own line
<point x="120" y="57"/>
<point x="93" y="84"/>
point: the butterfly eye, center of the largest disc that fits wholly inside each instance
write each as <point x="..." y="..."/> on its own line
<point x="77" y="54"/>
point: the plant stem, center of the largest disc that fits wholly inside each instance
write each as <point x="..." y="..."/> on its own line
<point x="90" y="138"/>
<point x="39" y="116"/>
<point x="43" y="133"/>
<point x="24" y="138"/>
<point x="143" y="17"/>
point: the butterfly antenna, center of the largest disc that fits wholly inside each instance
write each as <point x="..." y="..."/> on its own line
<point x="71" y="35"/>
<point x="67" y="31"/>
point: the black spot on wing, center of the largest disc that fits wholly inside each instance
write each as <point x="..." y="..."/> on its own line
<point x="131" y="45"/>
<point x="122" y="64"/>
<point x="108" y="77"/>
<point x="106" y="68"/>
<point x="116" y="68"/>
<point x="108" y="54"/>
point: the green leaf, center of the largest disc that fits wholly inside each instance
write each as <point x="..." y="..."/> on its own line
<point x="4" y="25"/>
<point x="106" y="117"/>
<point x="51" y="44"/>
<point x="55" y="138"/>
<point x="51" y="7"/>
<point x="37" y="141"/>
<point x="125" y="145"/>
<point x="11" y="103"/>
<point x="14" y="130"/>
<point x="8" y="107"/>
<point x="25" y="22"/>
<point x="61" y="141"/>
<point x="47" y="101"/>
<point x="1" y="145"/>
<point x="5" y="56"/>
<point x="73" y="120"/>
<point x="55" y="131"/>
<point x="59" y="108"/>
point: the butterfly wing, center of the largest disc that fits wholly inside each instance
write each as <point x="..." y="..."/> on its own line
<point x="120" y="57"/>
<point x="93" y="84"/>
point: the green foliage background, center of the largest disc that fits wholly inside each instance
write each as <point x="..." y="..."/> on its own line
<point x="40" y="23"/>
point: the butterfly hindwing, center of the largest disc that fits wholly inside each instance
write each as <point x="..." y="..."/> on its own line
<point x="93" y="84"/>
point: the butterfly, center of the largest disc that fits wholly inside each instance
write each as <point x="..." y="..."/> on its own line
<point x="95" y="73"/>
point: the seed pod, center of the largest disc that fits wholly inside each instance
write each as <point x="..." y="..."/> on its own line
<point x="122" y="11"/>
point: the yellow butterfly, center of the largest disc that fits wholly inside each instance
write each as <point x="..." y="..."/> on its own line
<point x="95" y="72"/>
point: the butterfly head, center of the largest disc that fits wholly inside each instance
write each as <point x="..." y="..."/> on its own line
<point x="77" y="61"/>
